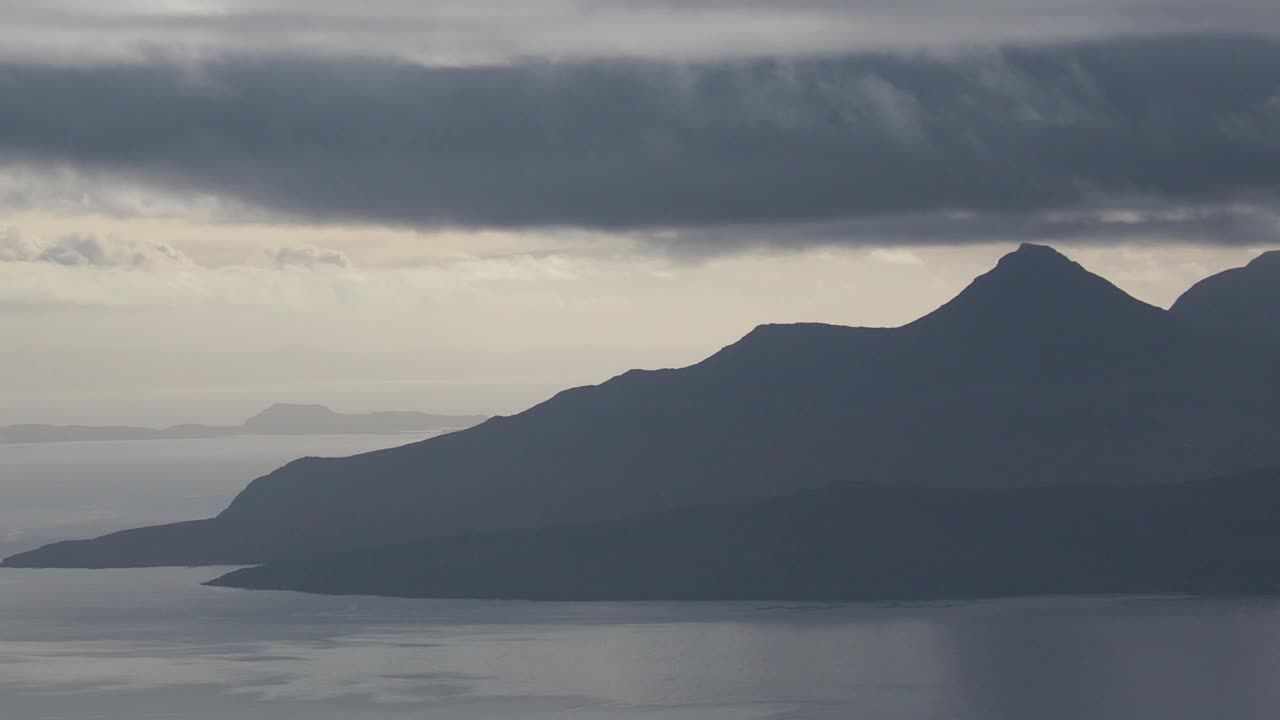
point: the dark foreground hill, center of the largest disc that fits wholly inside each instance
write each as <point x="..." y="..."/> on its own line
<point x="1039" y="373"/>
<point x="848" y="542"/>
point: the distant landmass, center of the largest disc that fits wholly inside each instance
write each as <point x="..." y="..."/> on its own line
<point x="1039" y="374"/>
<point x="846" y="543"/>
<point x="280" y="419"/>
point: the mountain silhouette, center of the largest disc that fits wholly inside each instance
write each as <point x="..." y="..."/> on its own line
<point x="1039" y="373"/>
<point x="848" y="542"/>
<point x="1244" y="300"/>
<point x="1037" y="285"/>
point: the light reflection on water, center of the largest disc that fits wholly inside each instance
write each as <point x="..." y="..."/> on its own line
<point x="153" y="643"/>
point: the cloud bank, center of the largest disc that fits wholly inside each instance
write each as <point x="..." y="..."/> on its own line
<point x="1175" y="135"/>
<point x="307" y="258"/>
<point x="77" y="250"/>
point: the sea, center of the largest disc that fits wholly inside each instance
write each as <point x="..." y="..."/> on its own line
<point x="155" y="643"/>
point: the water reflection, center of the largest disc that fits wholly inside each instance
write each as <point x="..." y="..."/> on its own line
<point x="152" y="643"/>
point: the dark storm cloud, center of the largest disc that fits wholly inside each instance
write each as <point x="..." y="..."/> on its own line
<point x="1244" y="226"/>
<point x="1182" y="127"/>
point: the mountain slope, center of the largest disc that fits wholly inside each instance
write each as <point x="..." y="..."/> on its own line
<point x="849" y="542"/>
<point x="1244" y="300"/>
<point x="1038" y="374"/>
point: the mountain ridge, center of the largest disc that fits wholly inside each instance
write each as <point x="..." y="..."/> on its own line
<point x="1061" y="379"/>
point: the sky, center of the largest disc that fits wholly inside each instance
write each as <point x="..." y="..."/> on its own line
<point x="579" y="186"/>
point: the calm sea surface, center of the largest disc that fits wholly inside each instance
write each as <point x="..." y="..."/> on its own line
<point x="138" y="644"/>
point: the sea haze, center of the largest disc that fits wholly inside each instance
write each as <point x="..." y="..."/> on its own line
<point x="83" y="489"/>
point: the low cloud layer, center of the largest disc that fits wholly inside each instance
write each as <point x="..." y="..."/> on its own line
<point x="1178" y="135"/>
<point x="78" y="250"/>
<point x="307" y="258"/>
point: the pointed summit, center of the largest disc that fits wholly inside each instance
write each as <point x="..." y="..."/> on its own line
<point x="1031" y="267"/>
<point x="1030" y="256"/>
<point x="1038" y="288"/>
<point x="1039" y="315"/>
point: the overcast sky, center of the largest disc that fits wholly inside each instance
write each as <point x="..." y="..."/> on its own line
<point x="509" y="175"/>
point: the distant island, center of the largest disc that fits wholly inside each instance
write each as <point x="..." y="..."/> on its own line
<point x="279" y="419"/>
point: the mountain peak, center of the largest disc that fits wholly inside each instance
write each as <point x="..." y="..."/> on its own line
<point x="1039" y="252"/>
<point x="1036" y="286"/>
<point x="1033" y="258"/>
